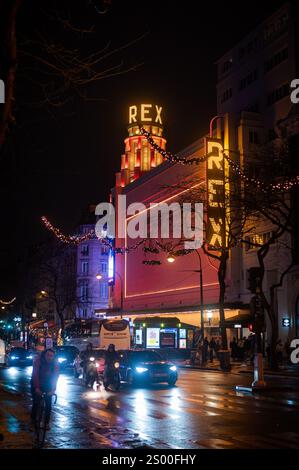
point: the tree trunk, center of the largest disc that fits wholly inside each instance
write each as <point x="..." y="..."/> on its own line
<point x="62" y="322"/>
<point x="274" y="339"/>
<point x="222" y="287"/>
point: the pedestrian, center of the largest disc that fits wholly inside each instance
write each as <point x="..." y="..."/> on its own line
<point x="44" y="380"/>
<point x="287" y="349"/>
<point x="218" y="347"/>
<point x="234" y="348"/>
<point x="205" y="349"/>
<point x="241" y="349"/>
<point x="212" y="348"/>
<point x="279" y="351"/>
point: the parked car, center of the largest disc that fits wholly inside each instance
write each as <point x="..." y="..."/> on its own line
<point x="146" y="366"/>
<point x="66" y="356"/>
<point x="19" y="357"/>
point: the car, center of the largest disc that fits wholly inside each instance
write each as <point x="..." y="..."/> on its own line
<point x="98" y="355"/>
<point x="19" y="357"/>
<point x="140" y="366"/>
<point x="66" y="356"/>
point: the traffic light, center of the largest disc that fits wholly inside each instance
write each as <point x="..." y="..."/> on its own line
<point x="253" y="278"/>
<point x="256" y="308"/>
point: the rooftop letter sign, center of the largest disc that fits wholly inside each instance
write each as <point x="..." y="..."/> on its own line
<point x="215" y="227"/>
<point x="146" y="113"/>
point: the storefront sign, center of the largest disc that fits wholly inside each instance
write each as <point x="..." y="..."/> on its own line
<point x="183" y="333"/>
<point x="138" y="337"/>
<point x="153" y="337"/>
<point x="215" y="175"/>
<point x="168" y="339"/>
<point x="183" y="344"/>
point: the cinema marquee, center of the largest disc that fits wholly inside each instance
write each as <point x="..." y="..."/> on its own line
<point x="215" y="176"/>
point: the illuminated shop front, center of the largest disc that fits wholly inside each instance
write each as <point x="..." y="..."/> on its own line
<point x="160" y="332"/>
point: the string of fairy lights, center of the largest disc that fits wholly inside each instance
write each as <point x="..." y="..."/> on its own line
<point x="174" y="158"/>
<point x="171" y="157"/>
<point x="7" y="302"/>
<point x="78" y="239"/>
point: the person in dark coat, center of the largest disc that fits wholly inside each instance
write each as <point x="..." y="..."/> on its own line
<point x="213" y="348"/>
<point x="234" y="348"/>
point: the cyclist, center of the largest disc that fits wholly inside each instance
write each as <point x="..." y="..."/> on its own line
<point x="44" y="380"/>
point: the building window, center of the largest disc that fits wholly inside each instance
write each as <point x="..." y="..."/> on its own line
<point x="104" y="249"/>
<point x="248" y="48"/>
<point x="278" y="94"/>
<point x="103" y="267"/>
<point x="246" y="81"/>
<point x="257" y="239"/>
<point x="276" y="59"/>
<point x="253" y="137"/>
<point x="84" y="250"/>
<point x="84" y="312"/>
<point x="227" y="65"/>
<point x="84" y="290"/>
<point x="226" y="95"/>
<point x="104" y="291"/>
<point x="84" y="267"/>
<point x="272" y="30"/>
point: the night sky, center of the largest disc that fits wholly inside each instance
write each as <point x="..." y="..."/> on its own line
<point x="58" y="159"/>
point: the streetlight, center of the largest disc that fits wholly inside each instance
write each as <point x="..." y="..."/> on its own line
<point x="171" y="259"/>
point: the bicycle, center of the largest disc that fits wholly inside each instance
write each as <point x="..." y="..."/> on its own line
<point x="40" y="421"/>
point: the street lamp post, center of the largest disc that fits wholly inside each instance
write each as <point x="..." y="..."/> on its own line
<point x="171" y="259"/>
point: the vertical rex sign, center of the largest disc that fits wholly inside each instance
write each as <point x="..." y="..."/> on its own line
<point x="215" y="176"/>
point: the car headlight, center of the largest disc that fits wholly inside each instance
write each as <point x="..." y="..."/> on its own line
<point x="172" y="368"/>
<point x="61" y="359"/>
<point x="28" y="357"/>
<point x="141" y="369"/>
<point x="14" y="357"/>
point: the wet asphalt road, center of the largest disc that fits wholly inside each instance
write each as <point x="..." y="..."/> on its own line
<point x="202" y="411"/>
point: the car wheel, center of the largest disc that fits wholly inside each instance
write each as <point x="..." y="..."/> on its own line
<point x="172" y="381"/>
<point x="130" y="378"/>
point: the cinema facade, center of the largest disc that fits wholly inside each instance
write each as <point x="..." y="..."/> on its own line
<point x="161" y="298"/>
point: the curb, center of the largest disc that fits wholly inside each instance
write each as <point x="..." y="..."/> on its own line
<point x="245" y="372"/>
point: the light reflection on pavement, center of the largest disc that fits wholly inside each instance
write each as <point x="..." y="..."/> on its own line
<point x="202" y="411"/>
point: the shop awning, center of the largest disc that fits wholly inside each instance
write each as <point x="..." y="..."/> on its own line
<point x="169" y="322"/>
<point x="243" y="319"/>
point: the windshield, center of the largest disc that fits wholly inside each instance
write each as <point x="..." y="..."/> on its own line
<point x="66" y="350"/>
<point x="144" y="356"/>
<point x="18" y="351"/>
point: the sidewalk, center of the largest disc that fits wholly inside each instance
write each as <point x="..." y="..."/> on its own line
<point x="286" y="370"/>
